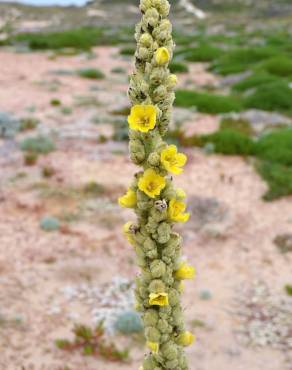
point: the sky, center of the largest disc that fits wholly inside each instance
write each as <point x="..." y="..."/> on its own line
<point x="47" y="2"/>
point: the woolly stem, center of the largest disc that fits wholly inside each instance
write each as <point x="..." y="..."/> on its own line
<point x="157" y="204"/>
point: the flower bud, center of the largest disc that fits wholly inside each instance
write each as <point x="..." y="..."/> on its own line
<point x="162" y="56"/>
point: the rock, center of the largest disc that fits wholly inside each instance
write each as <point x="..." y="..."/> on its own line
<point x="284" y="242"/>
<point x="261" y="121"/>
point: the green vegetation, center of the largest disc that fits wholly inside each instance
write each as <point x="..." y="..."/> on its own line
<point x="30" y="159"/>
<point x="48" y="171"/>
<point x="119" y="70"/>
<point x="28" y="123"/>
<point x="254" y="81"/>
<point x="92" y="342"/>
<point x="91" y="73"/>
<point x="178" y="67"/>
<point x="39" y="145"/>
<point x="55" y="102"/>
<point x="278" y="66"/>
<point x="239" y="60"/>
<point x="129" y="322"/>
<point x="239" y="125"/>
<point x="202" y="53"/>
<point x="49" y="224"/>
<point x="288" y="289"/>
<point x="273" y="152"/>
<point x="276" y="147"/>
<point x="230" y="142"/>
<point x="207" y="103"/>
<point x="128" y="51"/>
<point x="83" y="38"/>
<point x="278" y="177"/>
<point x="275" y="96"/>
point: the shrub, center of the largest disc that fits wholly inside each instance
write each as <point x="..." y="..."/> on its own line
<point x="93" y="342"/>
<point x="49" y="223"/>
<point x="128" y="50"/>
<point x="48" y="171"/>
<point x="201" y="53"/>
<point x="240" y="125"/>
<point x="254" y="81"/>
<point x="279" y="66"/>
<point x="239" y="60"/>
<point x="55" y="102"/>
<point x="288" y="289"/>
<point x="38" y="144"/>
<point x="230" y="142"/>
<point x="82" y="38"/>
<point x="9" y="126"/>
<point x="207" y="103"/>
<point x="177" y="67"/>
<point x="91" y="73"/>
<point x="28" y="123"/>
<point x="278" y="178"/>
<point x="276" y="147"/>
<point x="119" y="70"/>
<point x="276" y="96"/>
<point x="30" y="159"/>
<point x="129" y="322"/>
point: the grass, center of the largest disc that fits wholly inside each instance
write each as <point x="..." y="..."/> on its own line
<point x="239" y="125"/>
<point x="279" y="66"/>
<point x="275" y="96"/>
<point x="230" y="142"/>
<point x="91" y="73"/>
<point x="207" y="103"/>
<point x="128" y="50"/>
<point x="178" y="67"/>
<point x="239" y="60"/>
<point x="254" y="81"/>
<point x="82" y="38"/>
<point x="201" y="53"/>
<point x="273" y="152"/>
<point x="278" y="178"/>
<point x="276" y="147"/>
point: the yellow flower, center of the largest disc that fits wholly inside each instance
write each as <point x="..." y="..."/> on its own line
<point x="172" y="160"/>
<point x="151" y="183"/>
<point x="185" y="272"/>
<point x="176" y="210"/>
<point x="129" y="200"/>
<point x="180" y="193"/>
<point x="162" y="56"/>
<point x="154" y="346"/>
<point x="185" y="339"/>
<point x="158" y="299"/>
<point x="141" y="368"/>
<point x="142" y="118"/>
<point x="128" y="232"/>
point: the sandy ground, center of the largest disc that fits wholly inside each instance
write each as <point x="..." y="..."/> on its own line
<point x="232" y="250"/>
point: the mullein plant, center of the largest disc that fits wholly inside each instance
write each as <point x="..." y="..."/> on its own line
<point x="153" y="196"/>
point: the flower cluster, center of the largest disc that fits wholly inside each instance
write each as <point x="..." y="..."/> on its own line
<point x="156" y="202"/>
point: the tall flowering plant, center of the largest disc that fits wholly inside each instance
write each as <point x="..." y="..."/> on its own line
<point x="153" y="196"/>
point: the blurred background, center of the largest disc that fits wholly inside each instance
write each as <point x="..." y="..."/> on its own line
<point x="64" y="264"/>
